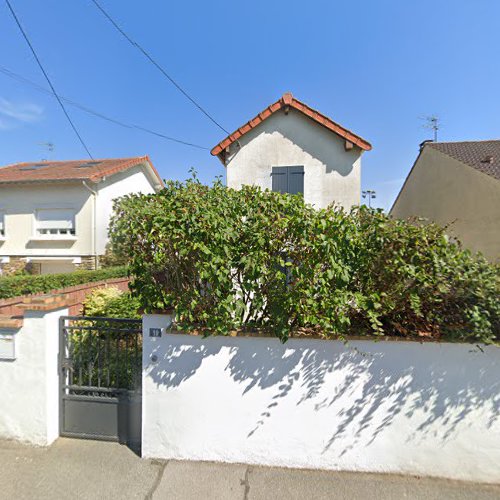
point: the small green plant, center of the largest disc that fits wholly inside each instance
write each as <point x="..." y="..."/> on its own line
<point x="112" y="303"/>
<point x="254" y="259"/>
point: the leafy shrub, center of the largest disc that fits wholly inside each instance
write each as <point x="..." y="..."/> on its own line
<point x="109" y="259"/>
<point x="13" y="286"/>
<point x="227" y="259"/>
<point x="111" y="302"/>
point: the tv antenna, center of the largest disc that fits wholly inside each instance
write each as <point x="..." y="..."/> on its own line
<point x="432" y="122"/>
<point x="50" y="147"/>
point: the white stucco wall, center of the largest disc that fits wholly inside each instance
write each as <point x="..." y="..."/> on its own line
<point x="29" y="385"/>
<point x="19" y="203"/>
<point x="403" y="407"/>
<point x="133" y="180"/>
<point x="331" y="174"/>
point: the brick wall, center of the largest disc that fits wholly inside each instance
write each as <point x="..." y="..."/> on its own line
<point x="76" y="295"/>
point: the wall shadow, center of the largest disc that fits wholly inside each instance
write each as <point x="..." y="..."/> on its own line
<point x="311" y="138"/>
<point x="380" y="382"/>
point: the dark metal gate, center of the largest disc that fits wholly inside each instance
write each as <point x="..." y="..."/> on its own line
<point x="100" y="373"/>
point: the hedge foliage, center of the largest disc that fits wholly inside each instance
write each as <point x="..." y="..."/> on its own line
<point x="13" y="286"/>
<point x="253" y="259"/>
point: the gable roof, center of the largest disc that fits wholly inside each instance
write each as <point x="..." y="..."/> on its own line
<point x="287" y="100"/>
<point x="481" y="155"/>
<point x="84" y="170"/>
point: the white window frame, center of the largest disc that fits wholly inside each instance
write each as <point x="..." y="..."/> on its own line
<point x="54" y="233"/>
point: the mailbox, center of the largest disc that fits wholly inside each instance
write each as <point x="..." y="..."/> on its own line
<point x="7" y="346"/>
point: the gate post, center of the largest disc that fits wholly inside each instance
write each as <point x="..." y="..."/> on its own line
<point x="154" y="329"/>
<point x="29" y="380"/>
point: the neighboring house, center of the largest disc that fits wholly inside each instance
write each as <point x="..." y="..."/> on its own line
<point x="457" y="183"/>
<point x="54" y="215"/>
<point x="290" y="147"/>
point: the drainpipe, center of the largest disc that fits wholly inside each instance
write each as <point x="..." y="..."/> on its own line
<point x="94" y="222"/>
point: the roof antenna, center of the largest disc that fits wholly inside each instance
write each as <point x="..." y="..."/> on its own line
<point x="50" y="148"/>
<point x="432" y="122"/>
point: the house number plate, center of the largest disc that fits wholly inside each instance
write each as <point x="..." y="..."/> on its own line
<point x="155" y="332"/>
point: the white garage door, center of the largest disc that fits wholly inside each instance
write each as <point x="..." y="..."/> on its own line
<point x="57" y="266"/>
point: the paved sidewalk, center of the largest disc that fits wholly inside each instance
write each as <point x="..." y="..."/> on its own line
<point x="95" y="470"/>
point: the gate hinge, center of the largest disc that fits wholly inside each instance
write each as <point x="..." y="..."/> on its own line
<point x="67" y="364"/>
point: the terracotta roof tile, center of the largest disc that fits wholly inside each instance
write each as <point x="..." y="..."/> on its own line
<point x="50" y="171"/>
<point x="481" y="155"/>
<point x="288" y="100"/>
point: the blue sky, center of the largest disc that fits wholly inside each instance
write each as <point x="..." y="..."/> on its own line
<point x="373" y="66"/>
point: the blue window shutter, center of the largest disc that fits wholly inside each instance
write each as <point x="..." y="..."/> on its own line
<point x="296" y="180"/>
<point x="280" y="179"/>
<point x="288" y="179"/>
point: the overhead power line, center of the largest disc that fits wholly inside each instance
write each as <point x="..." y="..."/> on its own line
<point x="158" y="66"/>
<point x="30" y="45"/>
<point x="26" y="81"/>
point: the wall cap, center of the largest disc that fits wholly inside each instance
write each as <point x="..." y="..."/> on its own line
<point x="45" y="302"/>
<point x="11" y="322"/>
<point x="347" y="338"/>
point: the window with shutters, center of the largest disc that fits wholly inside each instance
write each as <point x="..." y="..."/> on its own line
<point x="288" y="179"/>
<point x="55" y="222"/>
<point x="2" y="224"/>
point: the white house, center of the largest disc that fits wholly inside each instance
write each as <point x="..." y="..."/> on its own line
<point x="290" y="147"/>
<point x="54" y="215"/>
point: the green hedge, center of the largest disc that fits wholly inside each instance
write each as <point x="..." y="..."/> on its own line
<point x="253" y="259"/>
<point x="13" y="286"/>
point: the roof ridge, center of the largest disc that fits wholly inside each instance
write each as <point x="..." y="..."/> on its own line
<point x="288" y="100"/>
<point x="482" y="156"/>
<point x="326" y="117"/>
<point x="462" y="142"/>
<point x="70" y="170"/>
<point x="76" y="161"/>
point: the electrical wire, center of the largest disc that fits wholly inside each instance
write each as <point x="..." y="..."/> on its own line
<point x="157" y="65"/>
<point x="30" y="45"/>
<point x="26" y="81"/>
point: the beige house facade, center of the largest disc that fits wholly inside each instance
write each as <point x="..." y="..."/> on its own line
<point x="54" y="216"/>
<point x="291" y="148"/>
<point x="457" y="184"/>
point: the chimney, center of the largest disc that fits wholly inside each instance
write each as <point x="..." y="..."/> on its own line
<point x="423" y="143"/>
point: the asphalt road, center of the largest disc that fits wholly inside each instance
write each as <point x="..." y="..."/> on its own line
<point x="80" y="469"/>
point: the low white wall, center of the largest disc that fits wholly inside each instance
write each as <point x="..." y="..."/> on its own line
<point x="29" y="385"/>
<point x="430" y="409"/>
